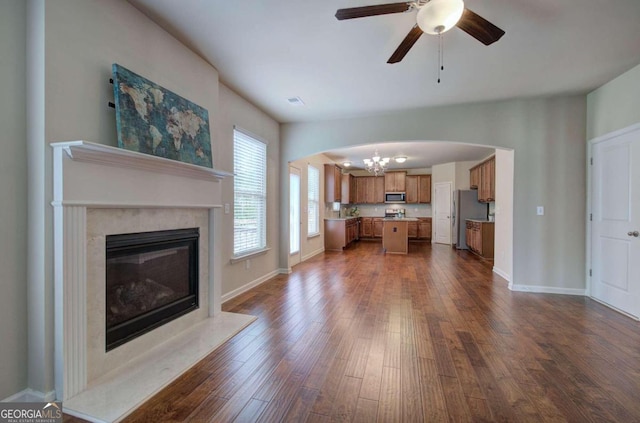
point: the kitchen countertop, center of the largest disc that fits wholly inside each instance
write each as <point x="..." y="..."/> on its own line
<point x="400" y="219"/>
<point x="480" y="220"/>
<point x="341" y="218"/>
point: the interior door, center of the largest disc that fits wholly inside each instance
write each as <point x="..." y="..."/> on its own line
<point x="294" y="216"/>
<point x="442" y="212"/>
<point x="615" y="237"/>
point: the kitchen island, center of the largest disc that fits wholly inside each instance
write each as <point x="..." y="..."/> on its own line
<point x="395" y="234"/>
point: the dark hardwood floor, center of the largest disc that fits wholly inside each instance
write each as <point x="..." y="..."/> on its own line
<point x="427" y="337"/>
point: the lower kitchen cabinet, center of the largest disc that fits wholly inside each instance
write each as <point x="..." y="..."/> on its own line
<point x="420" y="229"/>
<point x="366" y="227"/>
<point x="480" y="237"/>
<point x="377" y="227"/>
<point x="338" y="233"/>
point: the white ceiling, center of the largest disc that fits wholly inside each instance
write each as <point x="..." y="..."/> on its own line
<point x="271" y="50"/>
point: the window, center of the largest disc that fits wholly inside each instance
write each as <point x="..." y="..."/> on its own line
<point x="250" y="194"/>
<point x="313" y="196"/>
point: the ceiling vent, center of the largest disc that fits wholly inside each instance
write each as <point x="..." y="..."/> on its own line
<point x="295" y="101"/>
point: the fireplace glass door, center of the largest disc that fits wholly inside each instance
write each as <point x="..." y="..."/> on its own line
<point x="151" y="279"/>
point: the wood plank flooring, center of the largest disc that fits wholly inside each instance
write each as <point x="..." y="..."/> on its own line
<point x="432" y="336"/>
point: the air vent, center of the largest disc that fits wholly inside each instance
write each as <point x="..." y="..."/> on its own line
<point x="295" y="101"/>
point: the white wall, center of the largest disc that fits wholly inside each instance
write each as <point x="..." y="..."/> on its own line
<point x="548" y="136"/>
<point x="234" y="110"/>
<point x="82" y="40"/>
<point x="463" y="180"/>
<point x="503" y="242"/>
<point x="13" y="191"/>
<point x="615" y="105"/>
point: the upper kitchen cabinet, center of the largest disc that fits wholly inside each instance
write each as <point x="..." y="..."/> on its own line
<point x="349" y="189"/>
<point x="418" y="188"/>
<point x="332" y="183"/>
<point x="395" y="181"/>
<point x="483" y="178"/>
<point x="378" y="190"/>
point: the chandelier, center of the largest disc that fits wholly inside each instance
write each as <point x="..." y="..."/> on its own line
<point x="376" y="164"/>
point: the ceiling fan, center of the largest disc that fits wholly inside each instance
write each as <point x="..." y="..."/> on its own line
<point x="434" y="17"/>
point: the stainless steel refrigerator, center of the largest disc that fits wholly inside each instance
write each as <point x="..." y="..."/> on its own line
<point x="466" y="206"/>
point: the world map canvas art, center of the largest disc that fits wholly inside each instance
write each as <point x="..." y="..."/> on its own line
<point x="153" y="120"/>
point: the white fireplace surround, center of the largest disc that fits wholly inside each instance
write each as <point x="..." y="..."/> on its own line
<point x="95" y="176"/>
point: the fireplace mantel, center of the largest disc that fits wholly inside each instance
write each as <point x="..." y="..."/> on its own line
<point x="95" y="176"/>
<point x="84" y="151"/>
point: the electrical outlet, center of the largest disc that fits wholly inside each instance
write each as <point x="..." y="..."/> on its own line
<point x="227" y="208"/>
<point x="540" y="210"/>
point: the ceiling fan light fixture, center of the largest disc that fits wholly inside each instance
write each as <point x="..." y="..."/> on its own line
<point x="438" y="16"/>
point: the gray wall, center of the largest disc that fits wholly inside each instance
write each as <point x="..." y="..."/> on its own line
<point x="82" y="38"/>
<point x="13" y="191"/>
<point x="548" y="136"/>
<point x="615" y="105"/>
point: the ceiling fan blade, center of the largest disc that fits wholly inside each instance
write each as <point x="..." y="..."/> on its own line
<point x="406" y="45"/>
<point x="378" y="9"/>
<point x="479" y="28"/>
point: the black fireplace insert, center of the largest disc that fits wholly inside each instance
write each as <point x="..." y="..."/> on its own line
<point x="151" y="279"/>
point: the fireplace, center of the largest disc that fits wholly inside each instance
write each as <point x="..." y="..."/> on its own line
<point x="151" y="279"/>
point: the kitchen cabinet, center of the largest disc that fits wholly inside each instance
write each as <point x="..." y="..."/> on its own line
<point x="395" y="181"/>
<point x="412" y="230"/>
<point x="411" y="184"/>
<point x="418" y="188"/>
<point x="474" y="177"/>
<point x="339" y="233"/>
<point x="377" y="227"/>
<point x="378" y="190"/>
<point x="366" y="227"/>
<point x="424" y="189"/>
<point x="362" y="188"/>
<point x="483" y="178"/>
<point x="420" y="229"/>
<point x="332" y="183"/>
<point x="349" y="190"/>
<point x="369" y="190"/>
<point x="480" y="237"/>
<point x="424" y="228"/>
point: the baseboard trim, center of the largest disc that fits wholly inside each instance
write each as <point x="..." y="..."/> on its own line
<point x="504" y="275"/>
<point x="547" y="290"/>
<point x="312" y="254"/>
<point x="29" y="395"/>
<point x="248" y="286"/>
<point x="631" y="316"/>
<point x="283" y="271"/>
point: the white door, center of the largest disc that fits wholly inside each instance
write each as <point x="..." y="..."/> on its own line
<point x="442" y="212"/>
<point x="615" y="238"/>
<point x="294" y="216"/>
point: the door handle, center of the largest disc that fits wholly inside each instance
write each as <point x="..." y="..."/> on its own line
<point x="634" y="233"/>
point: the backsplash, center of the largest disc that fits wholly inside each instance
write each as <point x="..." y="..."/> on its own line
<point x="377" y="210"/>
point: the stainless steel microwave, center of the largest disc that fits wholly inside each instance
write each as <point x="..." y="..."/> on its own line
<point x="395" y="197"/>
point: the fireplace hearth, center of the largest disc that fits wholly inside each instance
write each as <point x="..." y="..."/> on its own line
<point x="151" y="279"/>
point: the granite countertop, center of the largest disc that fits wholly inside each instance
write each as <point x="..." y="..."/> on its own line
<point x="480" y="220"/>
<point x="341" y="218"/>
<point x="400" y="219"/>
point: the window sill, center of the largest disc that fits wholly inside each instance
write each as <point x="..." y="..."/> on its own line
<point x="313" y="235"/>
<point x="243" y="257"/>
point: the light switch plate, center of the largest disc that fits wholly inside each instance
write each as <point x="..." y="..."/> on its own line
<point x="540" y="210"/>
<point x="227" y="208"/>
